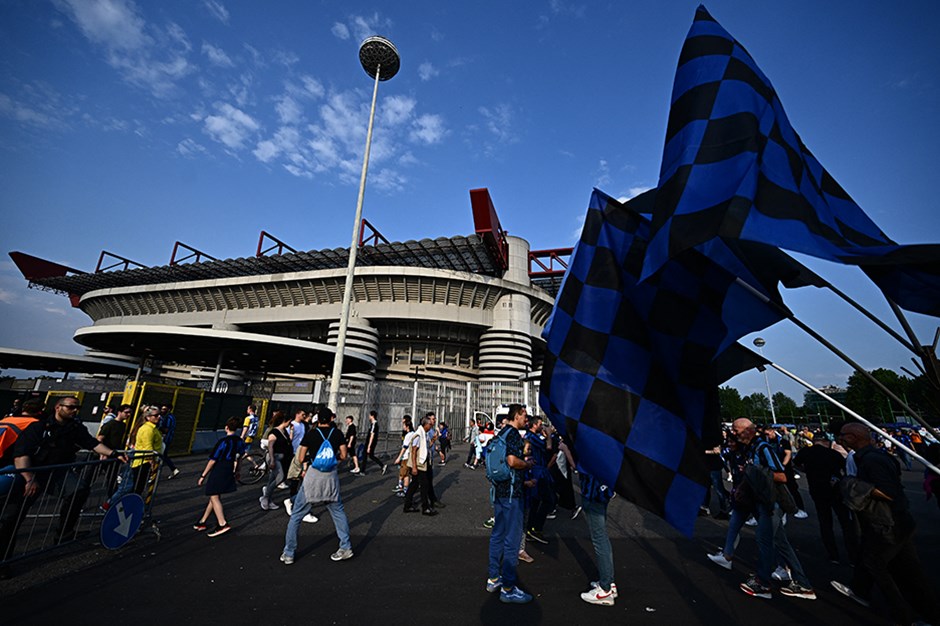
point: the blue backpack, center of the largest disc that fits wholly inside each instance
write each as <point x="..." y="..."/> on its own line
<point x="497" y="468"/>
<point x="325" y="460"/>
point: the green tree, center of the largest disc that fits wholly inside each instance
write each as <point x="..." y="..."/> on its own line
<point x="732" y="406"/>
<point x="757" y="406"/>
<point x="785" y="406"/>
<point x="863" y="397"/>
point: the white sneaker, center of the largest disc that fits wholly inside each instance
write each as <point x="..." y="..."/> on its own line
<point x="751" y="522"/>
<point x="613" y="587"/>
<point x="801" y="514"/>
<point x="354" y="470"/>
<point x="576" y="513"/>
<point x="596" y="595"/>
<point x="719" y="559"/>
<point x="287" y="560"/>
<point x="342" y="554"/>
<point x="782" y="574"/>
<point x="310" y="518"/>
<point x="288" y="505"/>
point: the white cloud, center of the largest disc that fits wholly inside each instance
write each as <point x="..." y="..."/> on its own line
<point x="340" y="31"/>
<point x="428" y="129"/>
<point x="217" y="10"/>
<point x="231" y="127"/>
<point x="285" y="141"/>
<point x="387" y="180"/>
<point x="312" y="87"/>
<point x="191" y="148"/>
<point x="216" y="55"/>
<point x="24" y="113"/>
<point x="146" y="56"/>
<point x="426" y="71"/>
<point x="633" y="192"/>
<point x="499" y="121"/>
<point x="602" y="175"/>
<point x="56" y="310"/>
<point x="397" y="109"/>
<point x="288" y="110"/>
<point x="7" y="296"/>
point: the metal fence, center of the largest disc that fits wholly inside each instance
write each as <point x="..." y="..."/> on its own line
<point x="456" y="403"/>
<point x="70" y="502"/>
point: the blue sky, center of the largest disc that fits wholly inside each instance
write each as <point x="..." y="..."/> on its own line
<point x="127" y="126"/>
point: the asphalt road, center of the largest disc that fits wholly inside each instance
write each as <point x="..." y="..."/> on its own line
<point x="410" y="568"/>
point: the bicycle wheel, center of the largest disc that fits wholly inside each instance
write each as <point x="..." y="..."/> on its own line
<point x="251" y="468"/>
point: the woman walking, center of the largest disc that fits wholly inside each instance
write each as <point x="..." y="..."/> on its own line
<point x="279" y="455"/>
<point x="219" y="476"/>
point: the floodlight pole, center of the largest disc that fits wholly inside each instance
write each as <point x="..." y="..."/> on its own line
<point x="374" y="53"/>
<point x="759" y="342"/>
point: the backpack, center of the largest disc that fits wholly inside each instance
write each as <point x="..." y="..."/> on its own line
<point x="497" y="468"/>
<point x="325" y="460"/>
<point x="10" y="430"/>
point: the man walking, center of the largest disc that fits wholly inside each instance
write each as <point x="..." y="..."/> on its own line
<point x="419" y="461"/>
<point x="507" y="496"/>
<point x="888" y="554"/>
<point x="372" y="443"/>
<point x="167" y="426"/>
<point x="251" y="424"/>
<point x="320" y="485"/>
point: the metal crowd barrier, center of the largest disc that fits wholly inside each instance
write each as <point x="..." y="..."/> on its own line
<point x="71" y="501"/>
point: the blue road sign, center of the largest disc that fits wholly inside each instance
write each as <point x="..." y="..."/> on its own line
<point x="122" y="521"/>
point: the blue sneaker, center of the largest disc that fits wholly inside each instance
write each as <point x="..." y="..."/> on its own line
<point x="514" y="596"/>
<point x="493" y="584"/>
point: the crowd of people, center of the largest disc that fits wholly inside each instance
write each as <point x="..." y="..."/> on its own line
<point x="852" y="476"/>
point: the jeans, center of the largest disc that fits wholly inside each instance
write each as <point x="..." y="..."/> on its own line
<point x="276" y="477"/>
<point x="505" y="538"/>
<point x="735" y="524"/>
<point x="767" y="557"/>
<point x="784" y="550"/>
<point x="717" y="485"/>
<point x="301" y="508"/>
<point x="596" y="515"/>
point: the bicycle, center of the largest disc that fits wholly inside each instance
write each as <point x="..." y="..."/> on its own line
<point x="251" y="468"/>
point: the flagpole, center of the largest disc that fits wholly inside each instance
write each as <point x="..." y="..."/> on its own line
<point x="884" y="434"/>
<point x="827" y="344"/>
<point x="910" y="345"/>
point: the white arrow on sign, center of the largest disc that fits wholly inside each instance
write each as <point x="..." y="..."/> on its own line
<point x="124" y="523"/>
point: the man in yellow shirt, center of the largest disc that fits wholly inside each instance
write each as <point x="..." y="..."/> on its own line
<point x="148" y="439"/>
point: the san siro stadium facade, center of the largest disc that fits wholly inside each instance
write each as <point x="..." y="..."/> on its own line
<point x="461" y="309"/>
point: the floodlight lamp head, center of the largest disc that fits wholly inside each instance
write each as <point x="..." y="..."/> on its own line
<point x="379" y="56"/>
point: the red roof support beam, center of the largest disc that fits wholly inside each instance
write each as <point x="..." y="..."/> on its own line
<point x="374" y="236"/>
<point x="556" y="255"/>
<point x="487" y="226"/>
<point x="33" y="268"/>
<point x="194" y="253"/>
<point x="280" y="245"/>
<point x="120" y="260"/>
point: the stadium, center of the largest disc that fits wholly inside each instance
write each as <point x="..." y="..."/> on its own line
<point x="458" y="309"/>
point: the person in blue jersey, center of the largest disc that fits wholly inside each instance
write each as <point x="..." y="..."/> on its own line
<point x="508" y="514"/>
<point x="167" y="426"/>
<point x="595" y="496"/>
<point x="219" y="476"/>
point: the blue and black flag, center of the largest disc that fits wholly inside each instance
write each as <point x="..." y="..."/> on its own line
<point x="630" y="366"/>
<point x="733" y="167"/>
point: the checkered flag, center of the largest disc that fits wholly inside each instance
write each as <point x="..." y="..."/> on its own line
<point x="629" y="367"/>
<point x="734" y="167"/>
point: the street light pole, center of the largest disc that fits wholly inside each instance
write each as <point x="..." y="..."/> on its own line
<point x="379" y="58"/>
<point x="760" y="343"/>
